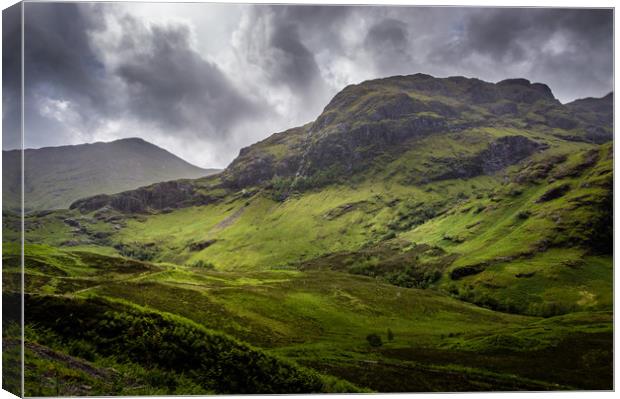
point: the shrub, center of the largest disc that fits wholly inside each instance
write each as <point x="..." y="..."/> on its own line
<point x="390" y="235"/>
<point x="204" y="265"/>
<point x="522" y="215"/>
<point x="82" y="349"/>
<point x="374" y="340"/>
<point x="139" y="251"/>
<point x="280" y="188"/>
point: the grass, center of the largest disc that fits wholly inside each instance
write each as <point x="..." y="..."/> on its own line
<point x="162" y="344"/>
<point x="324" y="317"/>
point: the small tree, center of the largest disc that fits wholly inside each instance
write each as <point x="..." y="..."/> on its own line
<point x="374" y="340"/>
<point x="390" y="335"/>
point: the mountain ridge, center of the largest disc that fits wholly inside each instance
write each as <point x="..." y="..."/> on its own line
<point x="381" y="118"/>
<point x="57" y="176"/>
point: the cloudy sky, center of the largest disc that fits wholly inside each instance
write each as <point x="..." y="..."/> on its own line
<point x="204" y="80"/>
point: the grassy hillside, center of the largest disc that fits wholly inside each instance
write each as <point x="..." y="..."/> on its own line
<point x="317" y="320"/>
<point x="422" y="235"/>
<point x="57" y="176"/>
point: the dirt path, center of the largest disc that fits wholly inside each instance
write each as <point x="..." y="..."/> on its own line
<point x="71" y="362"/>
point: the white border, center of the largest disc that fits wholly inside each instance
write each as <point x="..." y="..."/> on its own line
<point x="478" y="3"/>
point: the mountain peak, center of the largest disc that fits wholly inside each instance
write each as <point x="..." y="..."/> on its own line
<point x="131" y="140"/>
<point x="57" y="176"/>
<point x="538" y="87"/>
<point x="381" y="117"/>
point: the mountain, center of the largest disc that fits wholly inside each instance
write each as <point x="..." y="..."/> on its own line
<point x="57" y="176"/>
<point x="372" y="129"/>
<point x="422" y="234"/>
<point x="483" y="175"/>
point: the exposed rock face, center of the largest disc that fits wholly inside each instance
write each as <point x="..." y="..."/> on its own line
<point x="522" y="91"/>
<point x="500" y="153"/>
<point x="351" y="148"/>
<point x="278" y="155"/>
<point x="554" y="193"/>
<point x="199" y="246"/>
<point x="160" y="196"/>
<point x="596" y="114"/>
<point x="507" y="151"/>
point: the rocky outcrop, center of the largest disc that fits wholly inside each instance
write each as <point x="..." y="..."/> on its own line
<point x="554" y="193"/>
<point x="157" y="197"/>
<point x="596" y="115"/>
<point x="501" y="153"/>
<point x="278" y="155"/>
<point x="350" y="149"/>
<point x="507" y="151"/>
<point x="200" y="245"/>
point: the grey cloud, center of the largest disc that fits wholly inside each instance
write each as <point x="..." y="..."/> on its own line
<point x="388" y="43"/>
<point x="11" y="77"/>
<point x="172" y="85"/>
<point x="578" y="64"/>
<point x="160" y="81"/>
<point x="60" y="64"/>
<point x="295" y="65"/>
<point x="58" y="55"/>
<point x="277" y="40"/>
<point x="388" y="32"/>
<point x="505" y="32"/>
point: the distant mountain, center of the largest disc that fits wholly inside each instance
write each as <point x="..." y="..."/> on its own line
<point x="57" y="176"/>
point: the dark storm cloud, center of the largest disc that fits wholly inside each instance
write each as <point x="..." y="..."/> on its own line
<point x="295" y="66"/>
<point x="388" y="32"/>
<point x="159" y="80"/>
<point x="61" y="66"/>
<point x="171" y="84"/>
<point x="511" y="32"/>
<point x="58" y="55"/>
<point x="283" y="53"/>
<point x="388" y="43"/>
<point x="317" y="25"/>
<point x="569" y="49"/>
<point x="11" y="76"/>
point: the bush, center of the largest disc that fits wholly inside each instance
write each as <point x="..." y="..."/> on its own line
<point x="522" y="215"/>
<point x="280" y="188"/>
<point x="390" y="235"/>
<point x="204" y="265"/>
<point x="139" y="251"/>
<point x="82" y="349"/>
<point x="374" y="340"/>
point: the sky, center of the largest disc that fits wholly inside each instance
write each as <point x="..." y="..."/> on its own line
<point x="205" y="80"/>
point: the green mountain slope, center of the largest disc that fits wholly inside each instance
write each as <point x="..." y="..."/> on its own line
<point x="473" y="220"/>
<point x="57" y="176"/>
